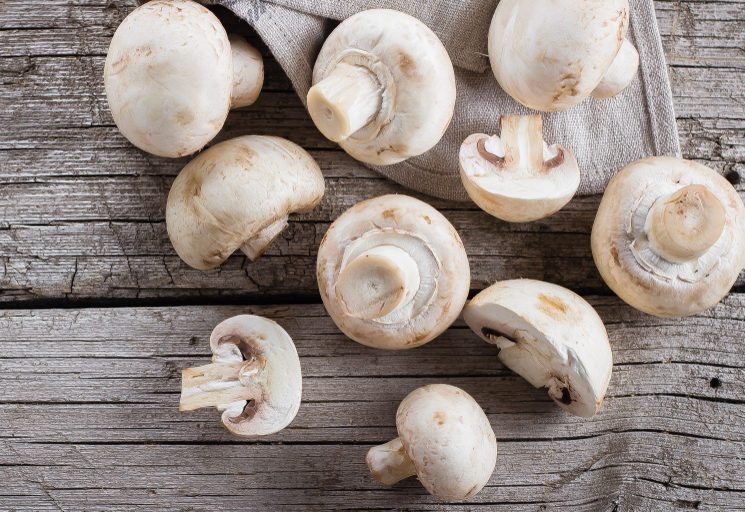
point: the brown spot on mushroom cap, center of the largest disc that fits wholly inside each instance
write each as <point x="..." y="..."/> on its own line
<point x="184" y="116"/>
<point x="552" y="306"/>
<point x="427" y="219"/>
<point x="440" y="417"/>
<point x="390" y="213"/>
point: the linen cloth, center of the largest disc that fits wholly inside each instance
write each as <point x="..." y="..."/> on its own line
<point x="604" y="135"/>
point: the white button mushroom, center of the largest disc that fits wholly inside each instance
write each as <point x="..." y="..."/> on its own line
<point x="444" y="438"/>
<point x="238" y="195"/>
<point x="669" y="236"/>
<point x="384" y="87"/>
<point x="392" y="272"/>
<point x="172" y="74"/>
<point x="517" y="177"/>
<point x="549" y="336"/>
<point x="254" y="378"/>
<point x="551" y="54"/>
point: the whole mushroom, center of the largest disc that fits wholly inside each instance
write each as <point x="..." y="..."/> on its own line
<point x="392" y="272"/>
<point x="550" y="55"/>
<point x="238" y="195"/>
<point x="384" y="87"/>
<point x="172" y="74"/>
<point x="254" y="378"/>
<point x="549" y="336"/>
<point x="516" y="176"/>
<point x="669" y="236"/>
<point x="444" y="438"/>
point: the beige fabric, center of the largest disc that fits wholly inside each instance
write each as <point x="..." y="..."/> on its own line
<point x="604" y="135"/>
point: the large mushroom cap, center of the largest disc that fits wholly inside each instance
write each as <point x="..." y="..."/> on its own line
<point x="392" y="272"/>
<point x="449" y="439"/>
<point x="384" y="87"/>
<point x="669" y="236"/>
<point x="517" y="177"/>
<point x="551" y="54"/>
<point x="548" y="335"/>
<point x="238" y="194"/>
<point x="255" y="377"/>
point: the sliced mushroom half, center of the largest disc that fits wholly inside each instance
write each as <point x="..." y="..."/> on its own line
<point x="548" y="335"/>
<point x="254" y="378"/>
<point x="669" y="236"/>
<point x="516" y="176"/>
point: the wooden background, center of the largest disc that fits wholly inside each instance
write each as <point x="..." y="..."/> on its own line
<point x="99" y="315"/>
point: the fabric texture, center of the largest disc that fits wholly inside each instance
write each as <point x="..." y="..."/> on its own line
<point x="604" y="135"/>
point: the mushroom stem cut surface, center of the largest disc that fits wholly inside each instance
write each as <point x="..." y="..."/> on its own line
<point x="549" y="336"/>
<point x="669" y="236"/>
<point x="254" y="378"/>
<point x="444" y="438"/>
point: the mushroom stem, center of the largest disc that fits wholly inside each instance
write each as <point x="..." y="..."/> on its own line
<point x="378" y="281"/>
<point x="248" y="72"/>
<point x="217" y="384"/>
<point x="685" y="224"/>
<point x="345" y="101"/>
<point x="522" y="139"/>
<point x="255" y="247"/>
<point x="620" y="73"/>
<point x="389" y="463"/>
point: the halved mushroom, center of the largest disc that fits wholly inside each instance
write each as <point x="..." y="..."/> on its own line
<point x="238" y="195"/>
<point x="444" y="438"/>
<point x="517" y="177"/>
<point x="392" y="272"/>
<point x="384" y="87"/>
<point x="669" y="236"/>
<point x="549" y="336"/>
<point x="551" y="54"/>
<point x="254" y="378"/>
<point x="171" y="75"/>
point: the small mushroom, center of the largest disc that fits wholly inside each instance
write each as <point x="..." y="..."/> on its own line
<point x="444" y="438"/>
<point x="517" y="177"/>
<point x="392" y="272"/>
<point x="669" y="236"/>
<point x="549" y="336"/>
<point x="384" y="87"/>
<point x="550" y="55"/>
<point x="238" y="195"/>
<point x="254" y="378"/>
<point x="171" y="75"/>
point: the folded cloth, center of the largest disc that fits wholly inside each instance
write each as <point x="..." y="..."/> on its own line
<point x="604" y="135"/>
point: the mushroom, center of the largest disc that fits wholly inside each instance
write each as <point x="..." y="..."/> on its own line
<point x="171" y="75"/>
<point x="254" y="378"/>
<point x="383" y="87"/>
<point x="549" y="336"/>
<point x="669" y="236"/>
<point x="444" y="438"/>
<point x="517" y="177"/>
<point x="238" y="195"/>
<point x="392" y="272"/>
<point x="551" y="54"/>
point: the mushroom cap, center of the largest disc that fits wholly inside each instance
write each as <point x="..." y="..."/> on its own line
<point x="633" y="270"/>
<point x="429" y="239"/>
<point x="517" y="190"/>
<point x="419" y="96"/>
<point x="234" y="192"/>
<point x="551" y="54"/>
<point x="169" y="76"/>
<point x="279" y="378"/>
<point x="449" y="439"/>
<point x="548" y="335"/>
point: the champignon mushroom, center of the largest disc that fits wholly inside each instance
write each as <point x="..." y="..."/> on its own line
<point x="238" y="195"/>
<point x="669" y="236"/>
<point x="517" y="177"/>
<point x="551" y="54"/>
<point x="549" y="336"/>
<point x="392" y="272"/>
<point x="171" y="75"/>
<point x="254" y="378"/>
<point x="444" y="438"/>
<point x="384" y="87"/>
